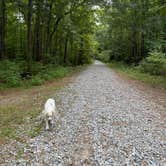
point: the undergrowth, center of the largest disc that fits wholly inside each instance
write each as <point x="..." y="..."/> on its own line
<point x="136" y="73"/>
<point x="14" y="74"/>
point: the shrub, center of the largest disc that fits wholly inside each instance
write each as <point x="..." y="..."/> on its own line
<point x="14" y="74"/>
<point x="61" y="72"/>
<point x="104" y="56"/>
<point x="37" y="67"/>
<point x="86" y="59"/>
<point x="134" y="73"/>
<point x="54" y="72"/>
<point x="36" y="80"/>
<point x="154" y="64"/>
<point x="10" y="73"/>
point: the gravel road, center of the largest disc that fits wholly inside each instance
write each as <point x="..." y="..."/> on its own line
<point x="104" y="120"/>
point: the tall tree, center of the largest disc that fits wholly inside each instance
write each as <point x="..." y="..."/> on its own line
<point x="37" y="47"/>
<point x="2" y="28"/>
<point x="29" y="34"/>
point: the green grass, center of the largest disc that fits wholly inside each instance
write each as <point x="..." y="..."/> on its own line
<point x="134" y="73"/>
<point x="15" y="114"/>
<point x="19" y="153"/>
<point x="35" y="131"/>
<point x="11" y="117"/>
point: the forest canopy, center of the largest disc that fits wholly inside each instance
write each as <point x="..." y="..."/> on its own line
<point x="131" y="30"/>
<point x="37" y="33"/>
<point x="44" y="30"/>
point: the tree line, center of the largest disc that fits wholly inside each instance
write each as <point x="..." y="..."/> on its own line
<point x="46" y="31"/>
<point x="132" y="30"/>
<point x="36" y="33"/>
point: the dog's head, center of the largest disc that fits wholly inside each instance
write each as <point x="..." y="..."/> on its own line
<point x="50" y="119"/>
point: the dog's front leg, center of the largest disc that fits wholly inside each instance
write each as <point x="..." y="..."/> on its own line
<point x="47" y="125"/>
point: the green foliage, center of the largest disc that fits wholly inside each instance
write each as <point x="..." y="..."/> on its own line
<point x="85" y="59"/>
<point x="104" y="56"/>
<point x="36" y="80"/>
<point x="35" y="131"/>
<point x="154" y="64"/>
<point x="132" y="29"/>
<point x="52" y="72"/>
<point x="42" y="32"/>
<point x="60" y="32"/>
<point x="20" y="152"/>
<point x="37" y="67"/>
<point x="10" y="74"/>
<point x="13" y="74"/>
<point x="135" y="73"/>
<point x="7" y="132"/>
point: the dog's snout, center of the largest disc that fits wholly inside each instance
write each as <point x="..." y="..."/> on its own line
<point x="49" y="118"/>
<point x="49" y="122"/>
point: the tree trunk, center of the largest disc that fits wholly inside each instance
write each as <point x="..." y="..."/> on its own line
<point x="134" y="48"/>
<point x="37" y="43"/>
<point x="65" y="52"/>
<point x="47" y="42"/>
<point x="37" y="39"/>
<point x="142" y="45"/>
<point x="29" y="35"/>
<point x="2" y="28"/>
<point x="81" y="50"/>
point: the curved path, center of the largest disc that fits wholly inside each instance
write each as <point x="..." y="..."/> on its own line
<point x="105" y="120"/>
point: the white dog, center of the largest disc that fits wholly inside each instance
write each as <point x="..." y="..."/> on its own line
<point x="49" y="112"/>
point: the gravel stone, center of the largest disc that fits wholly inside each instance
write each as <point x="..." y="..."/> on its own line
<point x="104" y="120"/>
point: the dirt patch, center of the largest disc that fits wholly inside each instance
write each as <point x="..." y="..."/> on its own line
<point x="18" y="96"/>
<point x="18" y="108"/>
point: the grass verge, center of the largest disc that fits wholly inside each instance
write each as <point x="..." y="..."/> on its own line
<point x="20" y="106"/>
<point x="134" y="73"/>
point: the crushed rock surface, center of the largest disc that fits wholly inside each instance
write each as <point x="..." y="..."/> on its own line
<point x="103" y="121"/>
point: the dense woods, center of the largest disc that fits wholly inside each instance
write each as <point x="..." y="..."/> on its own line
<point x="44" y="30"/>
<point x="36" y="35"/>
<point x="134" y="32"/>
